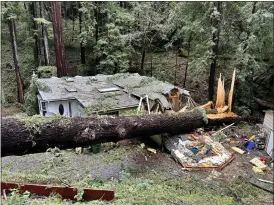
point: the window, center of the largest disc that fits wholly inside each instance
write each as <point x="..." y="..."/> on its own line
<point x="43" y="108"/>
<point x="43" y="105"/>
<point x="70" y="111"/>
<point x="61" y="109"/>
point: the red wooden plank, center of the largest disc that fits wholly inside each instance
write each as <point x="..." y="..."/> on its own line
<point x="65" y="192"/>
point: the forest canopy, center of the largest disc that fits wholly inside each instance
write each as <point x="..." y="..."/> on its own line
<point x="185" y="43"/>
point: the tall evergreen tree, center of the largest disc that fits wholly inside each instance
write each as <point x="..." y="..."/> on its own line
<point x="58" y="39"/>
<point x="215" y="21"/>
<point x="37" y="48"/>
<point x="10" y="16"/>
<point x="44" y="33"/>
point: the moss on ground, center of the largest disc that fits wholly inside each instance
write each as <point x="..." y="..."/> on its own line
<point x="144" y="183"/>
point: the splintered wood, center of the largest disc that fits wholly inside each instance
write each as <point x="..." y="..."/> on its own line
<point x="230" y="95"/>
<point x="220" y="101"/>
<point x="221" y="110"/>
<point x="221" y="115"/>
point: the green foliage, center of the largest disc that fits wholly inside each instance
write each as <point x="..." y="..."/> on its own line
<point x="88" y="23"/>
<point x="31" y="101"/>
<point x="111" y="50"/>
<point x="79" y="195"/>
<point x="115" y="34"/>
<point x="46" y="71"/>
<point x="82" y="70"/>
<point x="16" y="198"/>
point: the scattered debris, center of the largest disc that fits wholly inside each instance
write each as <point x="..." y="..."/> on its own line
<point x="198" y="151"/>
<point x="250" y="145"/>
<point x="142" y="145"/>
<point x="222" y="129"/>
<point x="152" y="150"/>
<point x="257" y="170"/>
<point x="266" y="181"/>
<point x="4" y="194"/>
<point x="258" y="163"/>
<point x="236" y="149"/>
<point x="78" y="150"/>
<point x="65" y="192"/>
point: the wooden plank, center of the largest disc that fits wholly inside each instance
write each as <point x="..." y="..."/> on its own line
<point x="65" y="192"/>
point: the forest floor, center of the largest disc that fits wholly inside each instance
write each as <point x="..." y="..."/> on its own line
<point x="138" y="176"/>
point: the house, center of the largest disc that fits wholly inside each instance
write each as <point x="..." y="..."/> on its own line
<point x="105" y="94"/>
<point x="268" y="130"/>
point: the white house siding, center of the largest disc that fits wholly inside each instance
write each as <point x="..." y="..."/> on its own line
<point x="53" y="108"/>
<point x="268" y="130"/>
<point x="75" y="108"/>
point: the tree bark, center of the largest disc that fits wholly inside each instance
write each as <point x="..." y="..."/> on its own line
<point x="19" y="136"/>
<point x="58" y="39"/>
<point x="36" y="48"/>
<point x="215" y="39"/>
<point x="143" y="60"/>
<point x="44" y="34"/>
<point x="97" y="18"/>
<point x="189" y="46"/>
<point x="82" y="47"/>
<point x="37" y="135"/>
<point x="12" y="30"/>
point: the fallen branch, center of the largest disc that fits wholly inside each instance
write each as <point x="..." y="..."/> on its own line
<point x="222" y="129"/>
<point x="269" y="191"/>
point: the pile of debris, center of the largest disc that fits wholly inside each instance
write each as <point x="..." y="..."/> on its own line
<point x="198" y="151"/>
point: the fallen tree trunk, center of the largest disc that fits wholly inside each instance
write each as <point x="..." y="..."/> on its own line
<point x="37" y="133"/>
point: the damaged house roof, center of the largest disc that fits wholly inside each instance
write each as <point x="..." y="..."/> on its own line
<point x="106" y="91"/>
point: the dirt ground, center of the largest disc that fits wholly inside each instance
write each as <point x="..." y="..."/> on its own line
<point x="139" y="176"/>
<point x="11" y="109"/>
<point x="127" y="166"/>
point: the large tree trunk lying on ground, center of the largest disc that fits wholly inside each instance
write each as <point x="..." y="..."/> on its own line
<point x="37" y="133"/>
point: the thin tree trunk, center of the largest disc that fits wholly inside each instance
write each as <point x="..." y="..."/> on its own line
<point x="215" y="39"/>
<point x="58" y="39"/>
<point x="12" y="30"/>
<point x="143" y="59"/>
<point x="48" y="11"/>
<point x="176" y="67"/>
<point x="96" y="12"/>
<point x="151" y="65"/>
<point x="45" y="35"/>
<point x="189" y="45"/>
<point x="36" y="48"/>
<point x="3" y="99"/>
<point x="73" y="21"/>
<point x="82" y="47"/>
